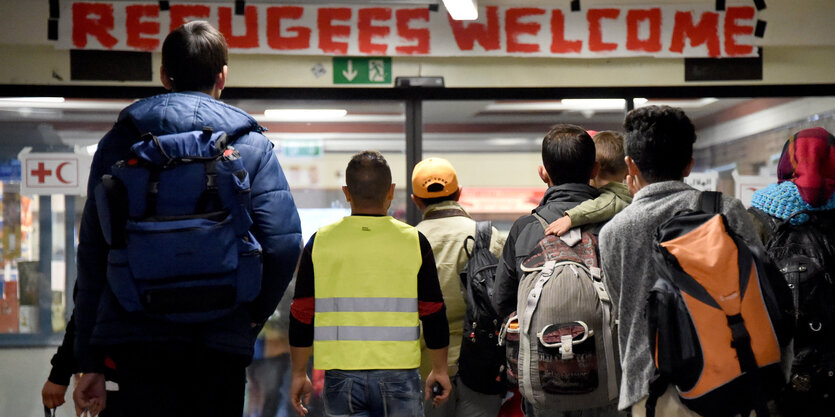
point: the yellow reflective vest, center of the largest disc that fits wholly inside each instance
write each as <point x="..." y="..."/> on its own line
<point x="365" y="286"/>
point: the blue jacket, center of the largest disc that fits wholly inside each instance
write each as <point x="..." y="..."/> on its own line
<point x="100" y="320"/>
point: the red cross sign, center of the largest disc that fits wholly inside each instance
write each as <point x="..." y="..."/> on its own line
<point x="54" y="173"/>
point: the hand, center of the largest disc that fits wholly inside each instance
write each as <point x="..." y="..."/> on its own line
<point x="53" y="394"/>
<point x="559" y="227"/>
<point x="300" y="390"/>
<point x="89" y="394"/>
<point x="442" y="379"/>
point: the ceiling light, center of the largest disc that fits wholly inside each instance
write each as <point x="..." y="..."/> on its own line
<point x="680" y="103"/>
<point x="508" y="141"/>
<point x="34" y="99"/>
<point x="304" y="115"/>
<point x="594" y="103"/>
<point x="462" y="9"/>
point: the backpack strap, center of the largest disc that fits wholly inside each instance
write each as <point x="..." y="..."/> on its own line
<point x="657" y="386"/>
<point x="710" y="202"/>
<point x="152" y="190"/>
<point x="608" y="344"/>
<point x="741" y="342"/>
<point x="769" y="222"/>
<point x="116" y="197"/>
<point x="210" y="197"/>
<point x="483" y="234"/>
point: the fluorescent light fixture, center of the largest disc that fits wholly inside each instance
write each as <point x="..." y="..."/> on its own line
<point x="462" y="9"/>
<point x="684" y="104"/>
<point x="34" y="99"/>
<point x="508" y="141"/>
<point x="594" y="103"/>
<point x="304" y="115"/>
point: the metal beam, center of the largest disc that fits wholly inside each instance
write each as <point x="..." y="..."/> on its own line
<point x="45" y="264"/>
<point x="414" y="153"/>
<point x="69" y="255"/>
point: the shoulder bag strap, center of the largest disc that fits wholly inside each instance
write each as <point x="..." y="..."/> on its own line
<point x="710" y="202"/>
<point x="483" y="234"/>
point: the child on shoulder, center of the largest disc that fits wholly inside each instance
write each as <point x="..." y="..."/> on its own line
<point x="614" y="194"/>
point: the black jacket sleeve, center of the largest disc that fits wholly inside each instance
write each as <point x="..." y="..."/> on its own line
<point x="93" y="250"/>
<point x="431" y="299"/>
<point x="63" y="362"/>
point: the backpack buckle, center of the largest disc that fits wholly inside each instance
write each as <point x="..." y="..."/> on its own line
<point x="548" y="269"/>
<point x="567" y="333"/>
<point x="567" y="347"/>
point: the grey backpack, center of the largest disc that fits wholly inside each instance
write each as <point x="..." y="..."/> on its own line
<point x="567" y="333"/>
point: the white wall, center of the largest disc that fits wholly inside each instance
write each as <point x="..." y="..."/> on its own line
<point x="24" y="373"/>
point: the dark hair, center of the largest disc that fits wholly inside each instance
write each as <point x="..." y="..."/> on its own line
<point x="568" y="154"/>
<point x="436" y="200"/>
<point x="660" y="141"/>
<point x="193" y="55"/>
<point x="368" y="178"/>
<point x="608" y="147"/>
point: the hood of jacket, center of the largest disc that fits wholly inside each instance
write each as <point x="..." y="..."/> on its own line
<point x="185" y="112"/>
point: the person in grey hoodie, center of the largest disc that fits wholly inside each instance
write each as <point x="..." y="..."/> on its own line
<point x="659" y="154"/>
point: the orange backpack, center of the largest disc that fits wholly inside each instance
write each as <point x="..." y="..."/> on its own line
<point x="717" y="316"/>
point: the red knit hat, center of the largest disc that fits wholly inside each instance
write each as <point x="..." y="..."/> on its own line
<point x="808" y="160"/>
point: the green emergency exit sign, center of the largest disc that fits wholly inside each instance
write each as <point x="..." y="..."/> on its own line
<point x="361" y="70"/>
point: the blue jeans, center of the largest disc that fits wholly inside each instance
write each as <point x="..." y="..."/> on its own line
<point x="374" y="393"/>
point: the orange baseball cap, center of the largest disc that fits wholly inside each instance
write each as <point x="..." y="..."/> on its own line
<point x="434" y="177"/>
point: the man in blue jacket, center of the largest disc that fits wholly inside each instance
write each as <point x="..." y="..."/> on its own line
<point x="167" y="368"/>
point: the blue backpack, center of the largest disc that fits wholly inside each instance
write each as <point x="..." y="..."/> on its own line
<point x="176" y="217"/>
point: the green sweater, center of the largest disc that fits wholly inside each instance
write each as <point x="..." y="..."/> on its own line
<point x="614" y="197"/>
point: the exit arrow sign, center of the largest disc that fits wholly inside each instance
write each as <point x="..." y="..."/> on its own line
<point x="361" y="70"/>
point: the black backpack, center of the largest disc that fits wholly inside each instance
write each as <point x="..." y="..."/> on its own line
<point x="805" y="255"/>
<point x="481" y="363"/>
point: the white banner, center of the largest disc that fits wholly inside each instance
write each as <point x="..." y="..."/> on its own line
<point x="600" y="32"/>
<point x="53" y="173"/>
<point x="746" y="185"/>
<point x="703" y="181"/>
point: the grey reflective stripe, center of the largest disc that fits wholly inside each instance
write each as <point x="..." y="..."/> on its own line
<point x="369" y="334"/>
<point x="366" y="304"/>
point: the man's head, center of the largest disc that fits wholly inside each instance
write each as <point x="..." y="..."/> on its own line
<point x="369" y="188"/>
<point x="193" y="57"/>
<point x="608" y="146"/>
<point x="567" y="155"/>
<point x="434" y="181"/>
<point x="659" y="142"/>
